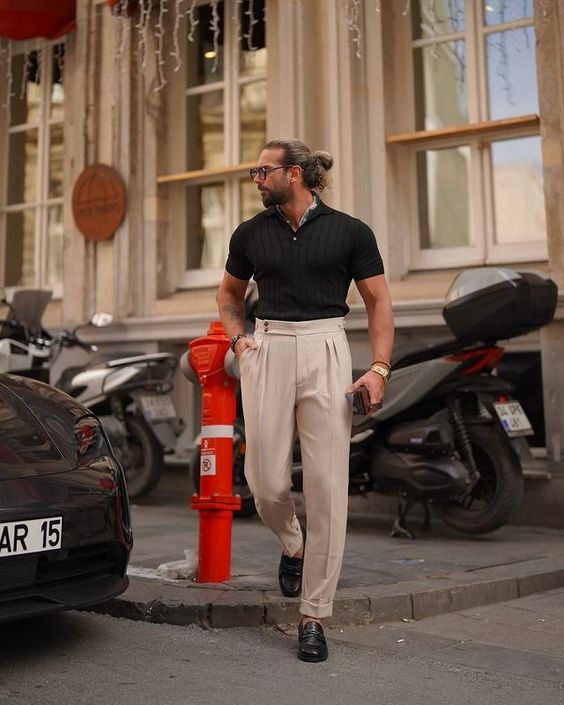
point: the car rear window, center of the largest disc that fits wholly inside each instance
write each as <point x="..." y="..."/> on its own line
<point x="23" y="443"/>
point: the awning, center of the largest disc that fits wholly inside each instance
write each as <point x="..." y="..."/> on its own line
<point x="26" y="19"/>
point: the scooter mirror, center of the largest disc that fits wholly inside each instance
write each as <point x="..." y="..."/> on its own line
<point x="101" y="319"/>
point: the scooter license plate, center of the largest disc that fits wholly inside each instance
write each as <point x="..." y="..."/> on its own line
<point x="513" y="419"/>
<point x="158" y="408"/>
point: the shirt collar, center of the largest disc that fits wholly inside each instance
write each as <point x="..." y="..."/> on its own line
<point x="312" y="211"/>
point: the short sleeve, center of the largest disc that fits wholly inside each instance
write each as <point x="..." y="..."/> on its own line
<point x="238" y="264"/>
<point x="365" y="260"/>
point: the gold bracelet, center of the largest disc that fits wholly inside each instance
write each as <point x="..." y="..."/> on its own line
<point x="382" y="362"/>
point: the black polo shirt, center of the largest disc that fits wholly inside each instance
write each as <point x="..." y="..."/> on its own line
<point x="303" y="275"/>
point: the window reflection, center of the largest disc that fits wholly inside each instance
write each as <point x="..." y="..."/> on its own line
<point x="431" y="18"/>
<point x="518" y="190"/>
<point x="55" y="245"/>
<point x="57" y="87"/>
<point x="512" y="73"/>
<point x="22" y="167"/>
<point x="253" y="119"/>
<point x="206" y="147"/>
<point x="19" y="261"/>
<point x="26" y="95"/>
<point x="499" y="11"/>
<point x="443" y="197"/>
<point x="206" y="225"/>
<point x="56" y="161"/>
<point x="251" y="202"/>
<point x="203" y="64"/>
<point x="440" y="85"/>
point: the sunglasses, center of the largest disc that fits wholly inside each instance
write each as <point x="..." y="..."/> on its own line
<point x="263" y="171"/>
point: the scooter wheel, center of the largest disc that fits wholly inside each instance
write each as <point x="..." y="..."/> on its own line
<point x="499" y="490"/>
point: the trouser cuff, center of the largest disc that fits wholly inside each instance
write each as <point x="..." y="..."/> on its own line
<point x="316" y="609"/>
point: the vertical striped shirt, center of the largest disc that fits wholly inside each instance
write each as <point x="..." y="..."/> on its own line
<point x="303" y="275"/>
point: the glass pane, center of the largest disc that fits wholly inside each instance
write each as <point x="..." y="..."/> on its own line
<point x="20" y="249"/>
<point x="443" y="178"/>
<point x="431" y="18"/>
<point x="440" y="85"/>
<point x="253" y="120"/>
<point x="22" y="167"/>
<point x="205" y="131"/>
<point x="512" y="73"/>
<point x="26" y="93"/>
<point x="204" y="62"/>
<point x="57" y="88"/>
<point x="498" y="11"/>
<point x="253" y="38"/>
<point x="56" y="161"/>
<point x="518" y="190"/>
<point x="251" y="202"/>
<point x="55" y="245"/>
<point x="206" y="227"/>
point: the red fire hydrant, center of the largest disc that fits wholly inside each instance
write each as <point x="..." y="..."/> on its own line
<point x="215" y="502"/>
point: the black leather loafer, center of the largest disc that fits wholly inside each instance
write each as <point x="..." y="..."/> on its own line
<point x="312" y="644"/>
<point x="290" y="573"/>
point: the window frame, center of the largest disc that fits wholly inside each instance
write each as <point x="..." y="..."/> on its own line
<point x="478" y="134"/>
<point x="42" y="203"/>
<point x="233" y="173"/>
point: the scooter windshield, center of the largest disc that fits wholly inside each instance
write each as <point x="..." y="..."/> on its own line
<point x="27" y="306"/>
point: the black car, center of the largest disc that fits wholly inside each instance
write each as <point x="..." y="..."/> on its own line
<point x="65" y="530"/>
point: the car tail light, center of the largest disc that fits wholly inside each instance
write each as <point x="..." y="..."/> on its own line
<point x="88" y="437"/>
<point x="474" y="361"/>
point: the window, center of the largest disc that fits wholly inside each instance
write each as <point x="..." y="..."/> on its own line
<point x="476" y="150"/>
<point x="225" y="109"/>
<point x="32" y="205"/>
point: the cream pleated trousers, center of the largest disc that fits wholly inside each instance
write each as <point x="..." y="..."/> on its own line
<point x="296" y="379"/>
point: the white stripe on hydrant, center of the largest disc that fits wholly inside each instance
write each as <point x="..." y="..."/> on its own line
<point x="217" y="431"/>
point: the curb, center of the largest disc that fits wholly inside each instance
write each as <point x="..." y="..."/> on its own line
<point x="218" y="607"/>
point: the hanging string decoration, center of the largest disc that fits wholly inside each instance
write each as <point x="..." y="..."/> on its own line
<point x="7" y="58"/>
<point x="216" y="31"/>
<point x="25" y="71"/>
<point x="160" y="36"/>
<point x="175" y="40"/>
<point x="193" y="21"/>
<point x="252" y="22"/>
<point x="352" y="14"/>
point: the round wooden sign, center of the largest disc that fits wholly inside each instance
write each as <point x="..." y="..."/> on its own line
<point x="98" y="202"/>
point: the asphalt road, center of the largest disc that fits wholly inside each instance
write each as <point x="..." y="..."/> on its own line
<point x="506" y="653"/>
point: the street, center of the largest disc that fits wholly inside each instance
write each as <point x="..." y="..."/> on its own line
<point x="510" y="652"/>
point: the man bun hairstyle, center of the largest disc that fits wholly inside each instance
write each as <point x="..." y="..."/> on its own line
<point x="314" y="166"/>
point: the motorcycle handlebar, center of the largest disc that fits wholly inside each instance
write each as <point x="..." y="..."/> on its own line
<point x="69" y="339"/>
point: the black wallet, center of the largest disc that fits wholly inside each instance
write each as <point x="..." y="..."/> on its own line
<point x="361" y="402"/>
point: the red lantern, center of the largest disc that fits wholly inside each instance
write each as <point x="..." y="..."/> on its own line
<point x="26" y="19"/>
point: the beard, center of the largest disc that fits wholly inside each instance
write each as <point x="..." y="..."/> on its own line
<point x="274" y="197"/>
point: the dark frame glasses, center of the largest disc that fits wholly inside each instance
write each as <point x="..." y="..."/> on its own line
<point x="263" y="171"/>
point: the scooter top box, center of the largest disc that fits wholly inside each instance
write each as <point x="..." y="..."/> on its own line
<point x="494" y="303"/>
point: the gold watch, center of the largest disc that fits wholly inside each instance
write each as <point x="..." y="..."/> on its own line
<point x="384" y="372"/>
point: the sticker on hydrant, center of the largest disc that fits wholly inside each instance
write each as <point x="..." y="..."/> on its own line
<point x="207" y="462"/>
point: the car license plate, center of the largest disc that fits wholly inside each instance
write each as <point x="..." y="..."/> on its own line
<point x="32" y="536"/>
<point x="157" y="408"/>
<point x="513" y="419"/>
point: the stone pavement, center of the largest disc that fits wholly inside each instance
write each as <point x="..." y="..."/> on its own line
<point x="382" y="579"/>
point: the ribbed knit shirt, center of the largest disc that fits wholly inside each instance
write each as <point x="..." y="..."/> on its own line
<point x="303" y="275"/>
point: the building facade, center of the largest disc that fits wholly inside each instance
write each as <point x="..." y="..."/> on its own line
<point x="444" y="117"/>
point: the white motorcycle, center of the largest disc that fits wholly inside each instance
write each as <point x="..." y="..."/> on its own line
<point x="129" y="393"/>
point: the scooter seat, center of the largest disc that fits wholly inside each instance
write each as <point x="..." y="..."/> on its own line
<point x="411" y="353"/>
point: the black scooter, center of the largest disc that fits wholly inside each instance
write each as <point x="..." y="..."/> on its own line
<point x="447" y="436"/>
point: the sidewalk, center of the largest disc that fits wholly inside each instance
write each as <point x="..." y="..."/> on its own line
<point x="382" y="579"/>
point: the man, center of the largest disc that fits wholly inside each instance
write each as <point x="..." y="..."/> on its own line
<point x="296" y="371"/>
